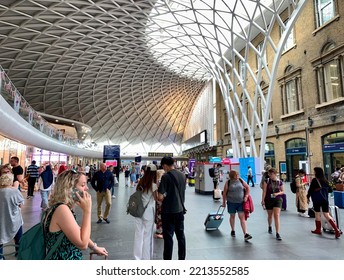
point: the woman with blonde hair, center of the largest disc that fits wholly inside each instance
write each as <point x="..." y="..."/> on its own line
<point x="11" y="200"/>
<point x="235" y="193"/>
<point x="70" y="191"/>
<point x="272" y="200"/>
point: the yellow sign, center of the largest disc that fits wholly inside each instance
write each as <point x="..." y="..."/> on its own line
<point x="160" y="154"/>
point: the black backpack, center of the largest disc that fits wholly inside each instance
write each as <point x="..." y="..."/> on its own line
<point x="293" y="186"/>
<point x="212" y="172"/>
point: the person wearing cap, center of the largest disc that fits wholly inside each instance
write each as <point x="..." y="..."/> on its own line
<point x="144" y="226"/>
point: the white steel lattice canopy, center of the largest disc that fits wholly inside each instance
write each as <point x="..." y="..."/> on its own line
<point x="132" y="70"/>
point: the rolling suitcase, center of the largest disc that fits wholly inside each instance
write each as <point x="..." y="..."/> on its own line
<point x="334" y="213"/>
<point x="214" y="220"/>
<point x="284" y="202"/>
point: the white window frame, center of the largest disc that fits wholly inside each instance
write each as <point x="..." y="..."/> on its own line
<point x="328" y="68"/>
<point x="264" y="57"/>
<point x="291" y="39"/>
<point x="321" y="9"/>
<point x="291" y="91"/>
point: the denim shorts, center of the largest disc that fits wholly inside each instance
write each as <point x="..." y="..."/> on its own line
<point x="273" y="203"/>
<point x="234" y="207"/>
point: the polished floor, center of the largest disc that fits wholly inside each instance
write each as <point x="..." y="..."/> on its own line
<point x="298" y="243"/>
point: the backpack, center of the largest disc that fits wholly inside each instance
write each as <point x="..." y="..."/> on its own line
<point x="135" y="205"/>
<point x="212" y="172"/>
<point x="32" y="244"/>
<point x="293" y="186"/>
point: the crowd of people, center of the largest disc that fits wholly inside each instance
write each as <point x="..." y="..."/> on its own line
<point x="63" y="188"/>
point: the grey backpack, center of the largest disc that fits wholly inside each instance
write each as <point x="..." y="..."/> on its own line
<point x="135" y="205"/>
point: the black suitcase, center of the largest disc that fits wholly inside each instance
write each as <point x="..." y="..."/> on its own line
<point x="214" y="220"/>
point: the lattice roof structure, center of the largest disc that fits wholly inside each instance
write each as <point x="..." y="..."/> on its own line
<point x="130" y="69"/>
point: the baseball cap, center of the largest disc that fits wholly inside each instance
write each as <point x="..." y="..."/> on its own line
<point x="152" y="167"/>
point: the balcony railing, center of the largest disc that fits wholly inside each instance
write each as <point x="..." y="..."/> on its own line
<point x="13" y="97"/>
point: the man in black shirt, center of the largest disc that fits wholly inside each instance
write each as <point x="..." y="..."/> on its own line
<point x="102" y="182"/>
<point x="17" y="170"/>
<point x="171" y="192"/>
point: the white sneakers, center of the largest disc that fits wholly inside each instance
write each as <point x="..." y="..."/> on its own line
<point x="304" y="215"/>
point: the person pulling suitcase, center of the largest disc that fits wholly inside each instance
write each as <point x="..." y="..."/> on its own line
<point x="318" y="191"/>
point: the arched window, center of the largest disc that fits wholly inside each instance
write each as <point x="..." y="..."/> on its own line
<point x="291" y="92"/>
<point x="327" y="68"/>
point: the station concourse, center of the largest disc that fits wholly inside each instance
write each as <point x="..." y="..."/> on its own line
<point x="298" y="242"/>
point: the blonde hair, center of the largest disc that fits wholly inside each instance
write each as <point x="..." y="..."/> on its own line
<point x="5" y="166"/>
<point x="232" y="174"/>
<point x="160" y="172"/>
<point x="65" y="182"/>
<point x="6" y="180"/>
<point x="272" y="170"/>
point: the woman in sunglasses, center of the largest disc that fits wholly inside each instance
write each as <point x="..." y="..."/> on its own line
<point x="70" y="191"/>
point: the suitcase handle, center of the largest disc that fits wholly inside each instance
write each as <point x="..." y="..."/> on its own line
<point x="93" y="253"/>
<point x="219" y="210"/>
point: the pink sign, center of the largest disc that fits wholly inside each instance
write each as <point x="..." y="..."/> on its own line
<point x="111" y="162"/>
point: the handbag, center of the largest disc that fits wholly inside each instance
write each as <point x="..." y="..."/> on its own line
<point x="217" y="193"/>
<point x="323" y="192"/>
<point x="180" y="196"/>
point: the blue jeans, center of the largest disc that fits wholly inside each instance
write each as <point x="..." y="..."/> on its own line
<point x="44" y="196"/>
<point x="17" y="238"/>
<point x="173" y="223"/>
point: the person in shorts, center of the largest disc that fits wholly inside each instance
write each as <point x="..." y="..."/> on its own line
<point x="272" y="200"/>
<point x="235" y="192"/>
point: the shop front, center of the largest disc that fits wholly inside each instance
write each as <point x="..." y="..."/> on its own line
<point x="333" y="152"/>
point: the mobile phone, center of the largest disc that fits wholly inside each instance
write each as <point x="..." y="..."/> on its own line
<point x="74" y="196"/>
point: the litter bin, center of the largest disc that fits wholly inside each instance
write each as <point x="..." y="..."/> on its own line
<point x="191" y="180"/>
<point x="339" y="199"/>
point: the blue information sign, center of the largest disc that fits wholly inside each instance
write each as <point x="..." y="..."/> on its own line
<point x="332" y="148"/>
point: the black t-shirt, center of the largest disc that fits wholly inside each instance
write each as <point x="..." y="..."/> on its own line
<point x="18" y="170"/>
<point x="167" y="187"/>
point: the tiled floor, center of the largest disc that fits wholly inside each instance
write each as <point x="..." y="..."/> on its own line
<point x="298" y="242"/>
